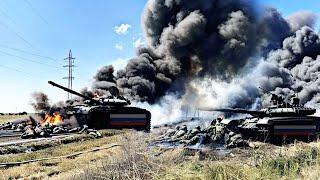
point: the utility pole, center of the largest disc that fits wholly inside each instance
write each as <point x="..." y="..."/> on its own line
<point x="70" y="67"/>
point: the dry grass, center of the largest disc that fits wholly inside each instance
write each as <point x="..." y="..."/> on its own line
<point x="131" y="161"/>
<point x="136" y="160"/>
<point x="49" y="168"/>
<point x="7" y="118"/>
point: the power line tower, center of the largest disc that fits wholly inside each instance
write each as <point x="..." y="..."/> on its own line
<point x="70" y="67"/>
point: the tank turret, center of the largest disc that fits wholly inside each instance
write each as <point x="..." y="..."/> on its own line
<point x="284" y="117"/>
<point x="114" y="100"/>
<point x="107" y="112"/>
<point x="289" y="106"/>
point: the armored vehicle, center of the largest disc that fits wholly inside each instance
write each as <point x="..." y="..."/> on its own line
<point x="281" y="119"/>
<point x="113" y="112"/>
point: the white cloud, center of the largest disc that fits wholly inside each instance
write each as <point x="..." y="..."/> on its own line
<point x="119" y="63"/>
<point x="138" y="42"/>
<point x="119" y="47"/>
<point x="122" y="29"/>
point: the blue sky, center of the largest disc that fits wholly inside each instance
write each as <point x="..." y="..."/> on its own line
<point x="50" y="28"/>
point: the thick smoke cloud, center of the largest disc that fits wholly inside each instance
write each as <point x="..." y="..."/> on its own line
<point x="104" y="79"/>
<point x="300" y="19"/>
<point x="307" y="75"/>
<point x="305" y="42"/>
<point x="187" y="40"/>
<point x="217" y="53"/>
<point x="40" y="101"/>
<point x="293" y="68"/>
<point x="274" y="29"/>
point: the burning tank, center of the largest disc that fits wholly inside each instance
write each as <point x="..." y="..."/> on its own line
<point x="285" y="117"/>
<point x="104" y="113"/>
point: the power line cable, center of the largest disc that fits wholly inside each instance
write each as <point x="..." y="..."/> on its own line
<point x="18" y="35"/>
<point x="36" y="11"/>
<point x="16" y="49"/>
<point x="18" y="70"/>
<point x="30" y="53"/>
<point x="5" y="3"/>
<point x="21" y="37"/>
<point x="7" y="16"/>
<point x="30" y="60"/>
<point x="4" y="12"/>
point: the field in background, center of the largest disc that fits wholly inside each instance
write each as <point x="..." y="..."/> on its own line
<point x="7" y="118"/>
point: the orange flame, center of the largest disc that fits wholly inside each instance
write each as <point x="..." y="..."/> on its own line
<point x="55" y="119"/>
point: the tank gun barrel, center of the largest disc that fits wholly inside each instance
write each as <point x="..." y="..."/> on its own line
<point x="71" y="91"/>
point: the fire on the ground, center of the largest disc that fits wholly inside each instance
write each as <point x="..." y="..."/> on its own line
<point x="54" y="119"/>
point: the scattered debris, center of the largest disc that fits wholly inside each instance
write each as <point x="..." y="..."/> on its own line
<point x="30" y="128"/>
<point x="215" y="134"/>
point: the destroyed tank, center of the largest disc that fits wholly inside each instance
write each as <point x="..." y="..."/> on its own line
<point x="113" y="112"/>
<point x="281" y="119"/>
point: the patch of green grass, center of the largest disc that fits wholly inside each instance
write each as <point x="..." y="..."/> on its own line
<point x="291" y="167"/>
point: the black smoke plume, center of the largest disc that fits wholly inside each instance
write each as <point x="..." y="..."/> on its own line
<point x="293" y="69"/>
<point x="300" y="58"/>
<point x="228" y="41"/>
<point x="40" y="101"/>
<point x="193" y="39"/>
<point x="104" y="78"/>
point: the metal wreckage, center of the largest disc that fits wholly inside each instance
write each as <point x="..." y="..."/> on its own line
<point x="91" y="115"/>
<point x="286" y="119"/>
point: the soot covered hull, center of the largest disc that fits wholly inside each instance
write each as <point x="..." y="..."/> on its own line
<point x="304" y="127"/>
<point x="103" y="117"/>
